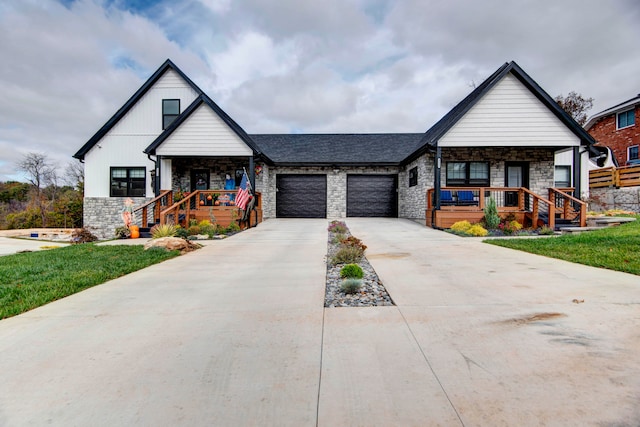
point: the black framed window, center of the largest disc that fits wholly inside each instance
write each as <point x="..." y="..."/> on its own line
<point x="170" y="111"/>
<point x="471" y="174"/>
<point x="632" y="153"/>
<point x="626" y="119"/>
<point x="413" y="177"/>
<point x="128" y="182"/>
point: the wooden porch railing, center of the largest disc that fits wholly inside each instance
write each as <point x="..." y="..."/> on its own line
<point x="569" y="207"/>
<point x="201" y="204"/>
<point x="164" y="199"/>
<point x="520" y="201"/>
<point x="625" y="176"/>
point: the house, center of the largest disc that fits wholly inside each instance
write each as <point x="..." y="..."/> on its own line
<point x="618" y="128"/>
<point x="499" y="141"/>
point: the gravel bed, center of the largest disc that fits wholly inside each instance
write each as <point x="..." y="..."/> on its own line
<point x="372" y="293"/>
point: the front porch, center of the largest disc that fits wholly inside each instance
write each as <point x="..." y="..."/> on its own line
<point x="455" y="204"/>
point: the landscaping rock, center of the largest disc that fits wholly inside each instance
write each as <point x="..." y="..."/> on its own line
<point x="171" y="244"/>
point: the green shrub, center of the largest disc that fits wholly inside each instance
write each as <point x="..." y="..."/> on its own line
<point x="193" y="230"/>
<point x="163" y="230"/>
<point x="348" y="255"/>
<point x="338" y="238"/>
<point x="546" y="231"/>
<point x="461" y="226"/>
<point x="206" y="227"/>
<point x="477" y="230"/>
<point x="232" y="228"/>
<point x="122" y="233"/>
<point x="491" y="217"/>
<point x="351" y="286"/>
<point x="182" y="232"/>
<point x="351" y="271"/>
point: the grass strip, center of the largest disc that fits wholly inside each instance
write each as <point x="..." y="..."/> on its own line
<point x="29" y="280"/>
<point x="614" y="248"/>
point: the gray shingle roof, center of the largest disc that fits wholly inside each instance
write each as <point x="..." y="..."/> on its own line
<point x="338" y="149"/>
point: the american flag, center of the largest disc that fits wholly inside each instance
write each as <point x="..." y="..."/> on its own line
<point x="244" y="192"/>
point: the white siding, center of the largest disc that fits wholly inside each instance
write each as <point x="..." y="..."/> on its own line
<point x="166" y="178"/>
<point x="204" y="133"/>
<point x="509" y="115"/>
<point x="123" y="145"/>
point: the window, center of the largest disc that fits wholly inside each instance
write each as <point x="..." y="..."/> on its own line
<point x="562" y="177"/>
<point x="632" y="153"/>
<point x="413" y="177"/>
<point x="128" y="182"/>
<point x="468" y="174"/>
<point x="170" y="110"/>
<point x="626" y="119"/>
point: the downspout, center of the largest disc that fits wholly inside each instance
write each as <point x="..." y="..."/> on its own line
<point x="252" y="175"/>
<point x="577" y="173"/>
<point x="156" y="185"/>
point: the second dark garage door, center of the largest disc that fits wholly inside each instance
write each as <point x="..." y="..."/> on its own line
<point x="372" y="195"/>
<point x="301" y="196"/>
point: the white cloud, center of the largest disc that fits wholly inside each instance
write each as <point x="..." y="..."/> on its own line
<point x="332" y="66"/>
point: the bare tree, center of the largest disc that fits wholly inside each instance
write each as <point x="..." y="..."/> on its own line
<point x="576" y="106"/>
<point x="74" y="175"/>
<point x="40" y="172"/>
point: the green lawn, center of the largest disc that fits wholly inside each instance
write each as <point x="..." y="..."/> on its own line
<point x="614" y="248"/>
<point x="32" y="279"/>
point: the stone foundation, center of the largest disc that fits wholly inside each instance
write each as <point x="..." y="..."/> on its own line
<point x="626" y="198"/>
<point x="102" y="215"/>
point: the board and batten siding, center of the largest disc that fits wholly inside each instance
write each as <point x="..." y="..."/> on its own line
<point x="204" y="133"/>
<point x="509" y="115"/>
<point x="125" y="142"/>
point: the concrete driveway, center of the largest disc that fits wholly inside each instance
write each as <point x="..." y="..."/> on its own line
<point x="235" y="334"/>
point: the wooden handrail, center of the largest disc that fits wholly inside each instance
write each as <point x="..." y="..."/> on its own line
<point x="194" y="197"/>
<point x="567" y="206"/>
<point x="156" y="208"/>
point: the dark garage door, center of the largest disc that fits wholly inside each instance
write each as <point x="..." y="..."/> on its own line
<point x="372" y="195"/>
<point x="301" y="196"/>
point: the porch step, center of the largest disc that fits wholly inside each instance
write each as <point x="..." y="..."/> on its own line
<point x="145" y="232"/>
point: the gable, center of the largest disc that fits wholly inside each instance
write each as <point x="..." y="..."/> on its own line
<point x="203" y="133"/>
<point x="509" y="114"/>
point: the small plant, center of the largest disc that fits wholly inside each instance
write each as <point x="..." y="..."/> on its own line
<point x="181" y="232"/>
<point x="338" y="227"/>
<point x="461" y="227"/>
<point x="122" y="233"/>
<point x="491" y="218"/>
<point x="354" y="241"/>
<point x="545" y="231"/>
<point x="193" y="229"/>
<point x="338" y="238"/>
<point x="348" y="255"/>
<point x="232" y="228"/>
<point x="351" y="271"/>
<point x="82" y="235"/>
<point x="477" y="230"/>
<point x="163" y="230"/>
<point x="510" y="227"/>
<point x="351" y="286"/>
<point x="206" y="227"/>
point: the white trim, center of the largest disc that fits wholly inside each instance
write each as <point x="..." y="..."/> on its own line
<point x="633" y="111"/>
<point x="629" y="149"/>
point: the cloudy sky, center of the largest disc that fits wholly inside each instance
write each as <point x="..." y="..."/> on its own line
<point x="280" y="66"/>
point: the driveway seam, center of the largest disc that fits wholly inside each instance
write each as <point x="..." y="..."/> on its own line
<point x="324" y="310"/>
<point x="426" y="359"/>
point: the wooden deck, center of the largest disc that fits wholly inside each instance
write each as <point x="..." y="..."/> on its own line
<point x="528" y="208"/>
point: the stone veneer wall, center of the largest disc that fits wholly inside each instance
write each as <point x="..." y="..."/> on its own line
<point x="626" y="198"/>
<point x="102" y="215"/>
<point x="336" y="185"/>
<point x="413" y="200"/>
<point x="541" y="164"/>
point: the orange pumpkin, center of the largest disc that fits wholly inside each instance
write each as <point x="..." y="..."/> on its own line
<point x="201" y="202"/>
<point x="217" y="203"/>
<point x="135" y="231"/>
<point x="231" y="203"/>
<point x="209" y="197"/>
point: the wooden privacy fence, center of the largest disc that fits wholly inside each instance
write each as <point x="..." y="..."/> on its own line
<point x="626" y="176"/>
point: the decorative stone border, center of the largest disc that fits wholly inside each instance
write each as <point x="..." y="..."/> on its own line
<point x="372" y="294"/>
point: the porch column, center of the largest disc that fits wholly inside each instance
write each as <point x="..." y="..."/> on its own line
<point x="577" y="172"/>
<point x="252" y="175"/>
<point x="166" y="178"/>
<point x="436" y="178"/>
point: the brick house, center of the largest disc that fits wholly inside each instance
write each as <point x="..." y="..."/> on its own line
<point x="618" y="128"/>
<point x="169" y="136"/>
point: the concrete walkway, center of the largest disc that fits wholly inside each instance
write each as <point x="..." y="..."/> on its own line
<point x="235" y="334"/>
